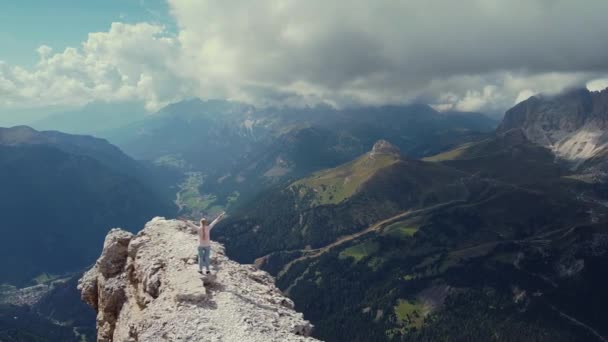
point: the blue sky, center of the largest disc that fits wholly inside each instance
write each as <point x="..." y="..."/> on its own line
<point x="27" y="24"/>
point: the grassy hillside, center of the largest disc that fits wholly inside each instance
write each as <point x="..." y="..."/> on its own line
<point x="338" y="184"/>
<point x="317" y="210"/>
<point x="490" y="241"/>
<point x="509" y="157"/>
<point x="492" y="258"/>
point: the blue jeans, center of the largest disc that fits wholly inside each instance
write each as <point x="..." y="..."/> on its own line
<point x="204" y="254"/>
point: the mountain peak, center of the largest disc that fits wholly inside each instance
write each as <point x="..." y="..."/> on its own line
<point x="384" y="147"/>
<point x="146" y="286"/>
<point x="574" y="124"/>
<point x="17" y="134"/>
<point x="562" y="113"/>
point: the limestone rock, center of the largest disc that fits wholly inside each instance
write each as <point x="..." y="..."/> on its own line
<point x="574" y="125"/>
<point x="114" y="255"/>
<point x="147" y="288"/>
<point x="385" y="147"/>
<point x="88" y="287"/>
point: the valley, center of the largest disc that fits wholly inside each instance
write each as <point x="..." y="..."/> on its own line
<point x="213" y="164"/>
<point x="61" y="193"/>
<point x="393" y="236"/>
<point x="241" y="150"/>
<point x="502" y="218"/>
<point x="270" y="170"/>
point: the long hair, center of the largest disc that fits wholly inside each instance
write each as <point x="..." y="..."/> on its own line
<point x="203" y="231"/>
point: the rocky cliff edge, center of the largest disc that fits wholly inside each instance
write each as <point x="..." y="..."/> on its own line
<point x="146" y="287"/>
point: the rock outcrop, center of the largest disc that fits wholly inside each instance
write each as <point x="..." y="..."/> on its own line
<point x="146" y="287"/>
<point x="385" y="147"/>
<point x="574" y="125"/>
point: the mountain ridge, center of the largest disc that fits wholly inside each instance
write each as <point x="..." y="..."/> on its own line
<point x="242" y="150"/>
<point x="499" y="213"/>
<point x="574" y="124"/>
<point x="86" y="145"/>
<point x="75" y="190"/>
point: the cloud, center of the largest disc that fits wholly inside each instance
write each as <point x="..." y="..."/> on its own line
<point x="344" y="52"/>
<point x="598" y="84"/>
<point x="465" y="55"/>
<point x="496" y="92"/>
<point x="128" y="62"/>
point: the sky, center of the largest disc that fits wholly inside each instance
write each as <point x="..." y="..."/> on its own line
<point x="25" y="25"/>
<point x="469" y="55"/>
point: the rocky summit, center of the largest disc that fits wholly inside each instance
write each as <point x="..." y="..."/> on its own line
<point x="385" y="147"/>
<point x="146" y="287"/>
<point x="574" y="125"/>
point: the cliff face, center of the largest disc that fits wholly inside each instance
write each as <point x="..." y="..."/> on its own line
<point x="574" y="125"/>
<point x="146" y="287"/>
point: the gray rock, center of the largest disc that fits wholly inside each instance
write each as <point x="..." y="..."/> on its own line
<point x="87" y="285"/>
<point x="145" y="289"/>
<point x="114" y="255"/>
<point x="573" y="125"/>
<point x="385" y="147"/>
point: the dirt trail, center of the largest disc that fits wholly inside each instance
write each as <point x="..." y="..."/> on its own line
<point x="314" y="253"/>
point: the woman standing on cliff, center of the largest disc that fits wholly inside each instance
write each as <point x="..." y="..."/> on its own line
<point x="204" y="241"/>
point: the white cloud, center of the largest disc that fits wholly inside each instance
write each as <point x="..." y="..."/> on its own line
<point x="524" y="95"/>
<point x="496" y="92"/>
<point x="597" y="84"/>
<point x="465" y="55"/>
<point x="128" y="62"/>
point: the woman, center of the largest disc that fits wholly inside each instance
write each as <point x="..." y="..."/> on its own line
<point x="204" y="241"/>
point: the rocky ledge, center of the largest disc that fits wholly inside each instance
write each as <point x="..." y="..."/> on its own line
<point x="146" y="287"/>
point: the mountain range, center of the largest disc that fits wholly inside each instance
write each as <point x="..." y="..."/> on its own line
<point x="94" y="118"/>
<point x="60" y="195"/>
<point x="503" y="238"/>
<point x="240" y="150"/>
<point x="381" y="223"/>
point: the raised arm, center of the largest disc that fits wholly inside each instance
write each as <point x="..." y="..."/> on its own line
<point x="190" y="224"/>
<point x="217" y="219"/>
